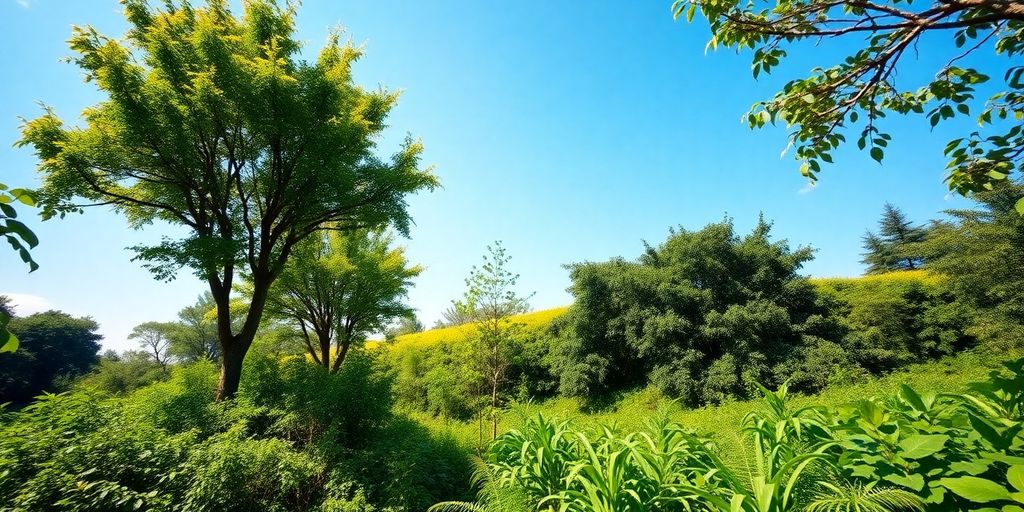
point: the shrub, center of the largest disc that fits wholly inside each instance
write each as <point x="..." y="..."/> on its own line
<point x="233" y="473"/>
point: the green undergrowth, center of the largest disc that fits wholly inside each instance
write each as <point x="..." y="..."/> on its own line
<point x="628" y="411"/>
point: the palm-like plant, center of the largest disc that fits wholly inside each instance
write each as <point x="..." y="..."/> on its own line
<point x="863" y="498"/>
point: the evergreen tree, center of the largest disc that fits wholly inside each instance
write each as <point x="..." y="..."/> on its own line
<point x="891" y="249"/>
<point x="981" y="251"/>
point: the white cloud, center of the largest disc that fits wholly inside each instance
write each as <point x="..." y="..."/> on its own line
<point x="24" y="3"/>
<point x="807" y="189"/>
<point x="25" y="304"/>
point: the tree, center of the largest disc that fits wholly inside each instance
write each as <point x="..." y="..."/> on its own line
<point x="213" y="123"/>
<point x="196" y="335"/>
<point x="980" y="252"/>
<point x="55" y="347"/>
<point x="492" y="299"/>
<point x="155" y="340"/>
<point x="857" y="90"/>
<point x="123" y="373"/>
<point x="338" y="289"/>
<point x="892" y="248"/>
<point x="704" y="316"/>
<point x="406" y="325"/>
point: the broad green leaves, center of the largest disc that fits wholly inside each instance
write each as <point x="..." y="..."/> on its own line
<point x="19" y="236"/>
<point x="919" y="446"/>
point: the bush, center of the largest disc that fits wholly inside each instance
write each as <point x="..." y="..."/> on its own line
<point x="898" y="318"/>
<point x="124" y="373"/>
<point x="233" y="473"/>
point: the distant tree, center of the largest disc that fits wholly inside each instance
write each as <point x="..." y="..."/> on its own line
<point x="705" y="316"/>
<point x="196" y="335"/>
<point x="406" y="325"/>
<point x="454" y="315"/>
<point x="893" y="247"/>
<point x="491" y="297"/>
<point x="55" y="347"/>
<point x="155" y="340"/>
<point x="981" y="251"/>
<point x="339" y="288"/>
<point x="124" y="373"/>
<point x="852" y="83"/>
<point x="214" y="123"/>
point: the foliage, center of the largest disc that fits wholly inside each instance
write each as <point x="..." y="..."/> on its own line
<point x="212" y="122"/>
<point x="859" y="88"/>
<point x="123" y="373"/>
<point x="15" y="232"/>
<point x="195" y="336"/>
<point x="340" y="288"/>
<point x="891" y="248"/>
<point x="492" y="300"/>
<point x="897" y="318"/>
<point x="915" y="451"/>
<point x="979" y="250"/>
<point x="21" y="239"/>
<point x="704" y="316"/>
<point x="55" y="348"/>
<point x="155" y="340"/>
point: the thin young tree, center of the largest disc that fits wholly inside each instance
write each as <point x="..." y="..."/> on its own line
<point x="338" y="289"/>
<point x="492" y="301"/>
<point x="212" y="123"/>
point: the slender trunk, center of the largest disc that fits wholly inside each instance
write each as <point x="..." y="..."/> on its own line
<point x="494" y="409"/>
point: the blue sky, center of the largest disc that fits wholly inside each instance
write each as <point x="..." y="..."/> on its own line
<point x="570" y="130"/>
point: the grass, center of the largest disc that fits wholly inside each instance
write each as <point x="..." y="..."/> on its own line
<point x="629" y="410"/>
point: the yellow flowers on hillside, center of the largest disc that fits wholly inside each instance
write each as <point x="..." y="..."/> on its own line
<point x="533" y="321"/>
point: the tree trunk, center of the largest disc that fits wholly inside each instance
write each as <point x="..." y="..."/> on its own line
<point x="234" y="347"/>
<point x="230" y="371"/>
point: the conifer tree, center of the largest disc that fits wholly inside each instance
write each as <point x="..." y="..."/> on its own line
<point x="892" y="248"/>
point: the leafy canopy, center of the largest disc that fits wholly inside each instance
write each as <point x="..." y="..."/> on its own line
<point x="854" y="92"/>
<point x="213" y="123"/>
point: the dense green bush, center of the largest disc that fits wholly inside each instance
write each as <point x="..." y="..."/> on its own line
<point x="296" y="438"/>
<point x="704" y="316"/>
<point x="122" y="373"/>
<point x="893" y="319"/>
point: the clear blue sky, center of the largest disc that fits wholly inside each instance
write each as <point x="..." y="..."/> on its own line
<point x="570" y="130"/>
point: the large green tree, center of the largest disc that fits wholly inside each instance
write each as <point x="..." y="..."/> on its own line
<point x="338" y="289"/>
<point x="706" y="315"/>
<point x="214" y="124"/>
<point x="981" y="250"/>
<point x="892" y="247"/>
<point x="55" y="347"/>
<point x="853" y="84"/>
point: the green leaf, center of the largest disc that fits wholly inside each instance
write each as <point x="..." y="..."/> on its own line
<point x="919" y="446"/>
<point x="1020" y="206"/>
<point x="912" y="398"/>
<point x="8" y="341"/>
<point x="877" y="154"/>
<point x="22" y="230"/>
<point x="913" y="481"/>
<point x="978" y="490"/>
<point x="1015" y="476"/>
